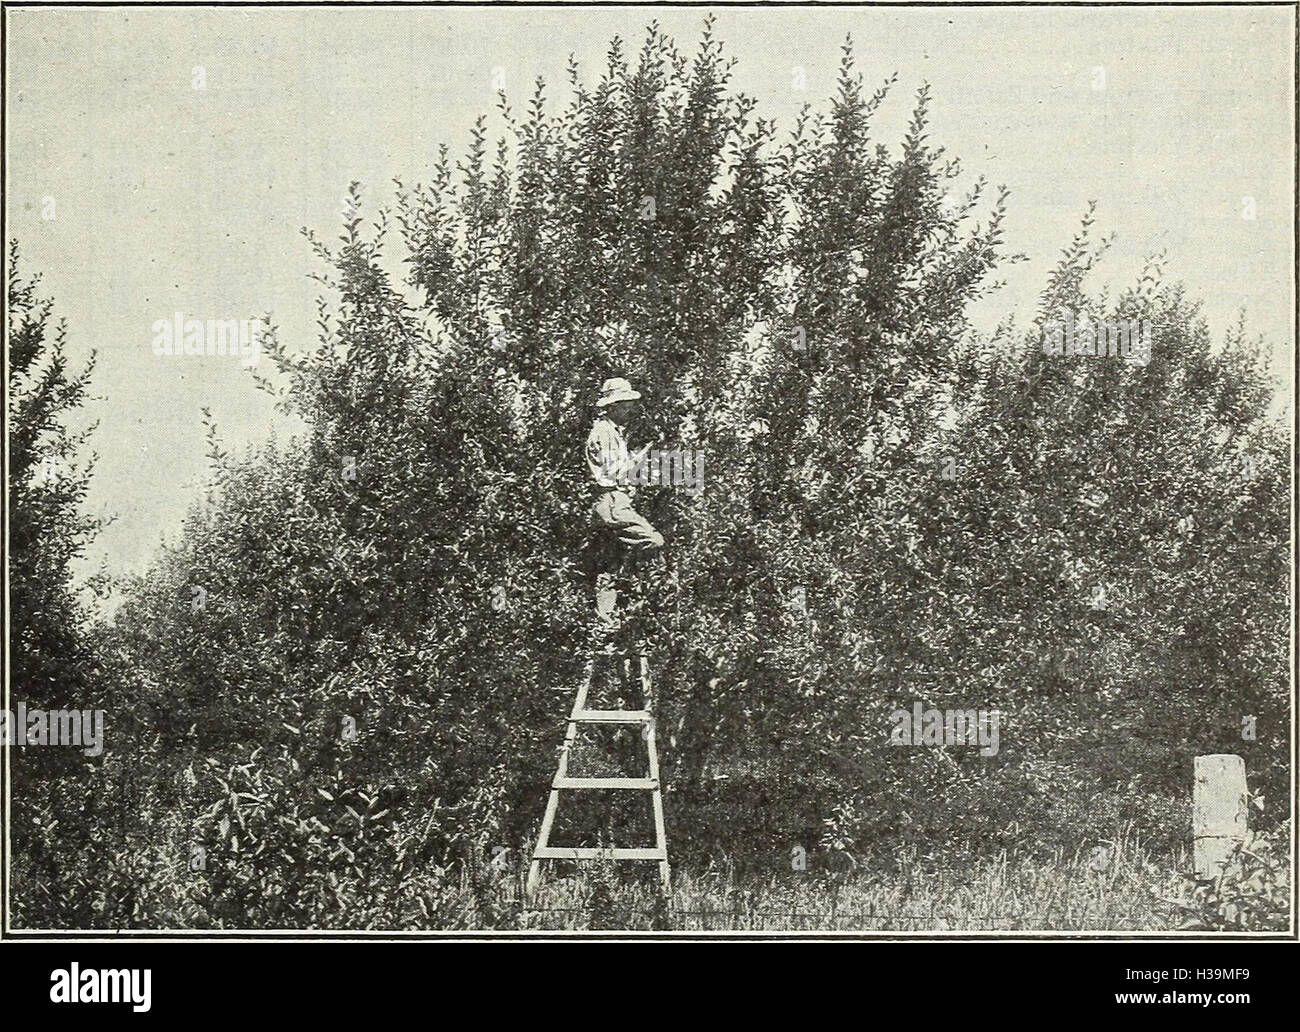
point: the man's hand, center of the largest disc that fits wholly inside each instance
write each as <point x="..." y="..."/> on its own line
<point x="636" y="464"/>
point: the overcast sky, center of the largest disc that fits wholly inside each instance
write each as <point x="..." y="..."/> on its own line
<point x="173" y="198"/>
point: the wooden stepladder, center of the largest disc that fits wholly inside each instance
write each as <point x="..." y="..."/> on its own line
<point x="581" y="715"/>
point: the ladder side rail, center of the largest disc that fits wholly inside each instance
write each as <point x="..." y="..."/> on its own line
<point x="562" y="770"/>
<point x="656" y="799"/>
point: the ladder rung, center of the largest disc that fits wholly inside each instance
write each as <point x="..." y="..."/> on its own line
<point x="611" y="716"/>
<point x="594" y="853"/>
<point x="605" y="783"/>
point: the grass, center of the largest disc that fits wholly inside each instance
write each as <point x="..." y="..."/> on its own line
<point x="1127" y="889"/>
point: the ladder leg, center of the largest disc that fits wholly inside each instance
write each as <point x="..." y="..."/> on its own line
<point x="543" y="839"/>
<point x="657" y="799"/>
<point x="561" y="770"/>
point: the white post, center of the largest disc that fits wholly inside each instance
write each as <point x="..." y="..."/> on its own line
<point x="1218" y="811"/>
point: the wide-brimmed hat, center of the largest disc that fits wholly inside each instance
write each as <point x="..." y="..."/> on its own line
<point x="615" y="389"/>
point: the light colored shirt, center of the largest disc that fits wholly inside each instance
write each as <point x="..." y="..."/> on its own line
<point x="607" y="456"/>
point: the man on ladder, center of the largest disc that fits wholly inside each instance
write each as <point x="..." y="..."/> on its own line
<point x="612" y="468"/>
<point x="621" y="525"/>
